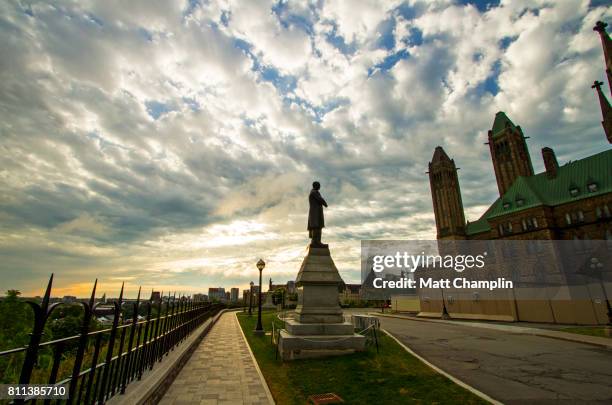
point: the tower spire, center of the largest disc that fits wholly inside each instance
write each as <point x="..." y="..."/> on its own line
<point x="446" y="195"/>
<point x="606" y="110"/>
<point x="509" y="152"/>
<point x="606" y="43"/>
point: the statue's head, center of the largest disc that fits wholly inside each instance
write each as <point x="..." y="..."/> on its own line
<point x="316" y="185"/>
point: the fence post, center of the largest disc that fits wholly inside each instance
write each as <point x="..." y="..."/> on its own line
<point x="87" y="314"/>
<point x="128" y="359"/>
<point x="41" y="313"/>
<point x="110" y="347"/>
<point x="143" y="350"/>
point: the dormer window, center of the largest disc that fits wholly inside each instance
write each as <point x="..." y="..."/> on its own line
<point x="592" y="187"/>
<point x="506" y="205"/>
<point x="520" y="202"/>
<point x="574" y="191"/>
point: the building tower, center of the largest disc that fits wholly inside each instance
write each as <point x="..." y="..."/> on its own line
<point x="606" y="43"/>
<point x="509" y="152"/>
<point x="446" y="195"/>
<point x="606" y="110"/>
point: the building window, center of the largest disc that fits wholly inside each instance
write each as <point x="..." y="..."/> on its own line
<point x="608" y="235"/>
<point x="602" y="211"/>
<point x="592" y="187"/>
<point x="505" y="229"/>
<point x="520" y="202"/>
<point x="506" y="205"/>
<point x="568" y="219"/>
<point x="529" y="224"/>
<point x="574" y="191"/>
<point x="580" y="216"/>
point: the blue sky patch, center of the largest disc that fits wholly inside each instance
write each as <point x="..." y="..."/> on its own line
<point x="340" y="42"/>
<point x="490" y="85"/>
<point x="386" y="39"/>
<point x="156" y="109"/>
<point x="389" y="62"/>
<point x="481" y="5"/>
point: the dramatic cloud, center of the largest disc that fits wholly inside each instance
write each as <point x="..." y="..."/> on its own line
<point x="172" y="144"/>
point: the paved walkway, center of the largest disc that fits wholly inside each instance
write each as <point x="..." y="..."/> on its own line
<point x="509" y="367"/>
<point x="220" y="371"/>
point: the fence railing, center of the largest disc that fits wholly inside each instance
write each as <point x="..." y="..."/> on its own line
<point x="95" y="365"/>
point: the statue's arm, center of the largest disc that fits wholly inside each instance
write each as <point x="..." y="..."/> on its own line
<point x="320" y="199"/>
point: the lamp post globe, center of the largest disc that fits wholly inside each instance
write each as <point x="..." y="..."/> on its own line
<point x="259" y="328"/>
<point x="251" y="298"/>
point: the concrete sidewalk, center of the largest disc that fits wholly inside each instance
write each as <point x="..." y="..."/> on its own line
<point x="549" y="333"/>
<point x="222" y="370"/>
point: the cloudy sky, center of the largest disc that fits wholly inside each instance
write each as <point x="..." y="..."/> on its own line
<point x="172" y="144"/>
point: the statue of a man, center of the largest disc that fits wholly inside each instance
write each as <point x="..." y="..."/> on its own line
<point x="316" y="221"/>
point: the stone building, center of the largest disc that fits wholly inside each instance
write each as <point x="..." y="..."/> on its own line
<point x="572" y="201"/>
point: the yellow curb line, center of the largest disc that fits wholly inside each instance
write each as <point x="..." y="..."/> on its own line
<point x="261" y="377"/>
<point x="444" y="373"/>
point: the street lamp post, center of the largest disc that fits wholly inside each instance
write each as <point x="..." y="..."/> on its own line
<point x="259" y="328"/>
<point x="251" y="298"/>
<point x="445" y="314"/>
<point x="596" y="267"/>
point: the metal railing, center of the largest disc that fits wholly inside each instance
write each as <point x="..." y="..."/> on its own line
<point x="105" y="361"/>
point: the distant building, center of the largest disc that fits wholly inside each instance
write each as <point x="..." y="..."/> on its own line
<point x="291" y="287"/>
<point x="155" y="296"/>
<point x="200" y="297"/>
<point x="227" y="296"/>
<point x="351" y="292"/>
<point x="69" y="299"/>
<point x="216" y="294"/>
<point x="234" y="294"/>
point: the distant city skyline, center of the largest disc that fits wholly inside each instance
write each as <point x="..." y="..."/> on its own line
<point x="172" y="145"/>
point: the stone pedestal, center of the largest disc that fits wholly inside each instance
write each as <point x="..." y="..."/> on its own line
<point x="318" y="328"/>
<point x="268" y="304"/>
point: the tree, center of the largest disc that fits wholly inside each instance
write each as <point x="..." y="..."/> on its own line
<point x="278" y="296"/>
<point x="12" y="294"/>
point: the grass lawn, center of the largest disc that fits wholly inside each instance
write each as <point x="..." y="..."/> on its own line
<point x="592" y="331"/>
<point x="391" y="377"/>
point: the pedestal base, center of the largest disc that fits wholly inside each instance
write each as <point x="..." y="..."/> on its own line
<point x="302" y="329"/>
<point x="318" y="329"/>
<point x="293" y="347"/>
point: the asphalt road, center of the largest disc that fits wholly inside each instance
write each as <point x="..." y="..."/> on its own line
<point x="512" y="368"/>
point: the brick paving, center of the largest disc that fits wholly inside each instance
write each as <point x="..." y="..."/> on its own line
<point x="220" y="371"/>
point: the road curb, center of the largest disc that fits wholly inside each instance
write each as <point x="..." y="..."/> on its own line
<point x="519" y="330"/>
<point x="444" y="373"/>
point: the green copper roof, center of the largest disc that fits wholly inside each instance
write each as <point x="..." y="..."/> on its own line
<point x="482" y="225"/>
<point x="539" y="190"/>
<point x="570" y="184"/>
<point x="501" y="122"/>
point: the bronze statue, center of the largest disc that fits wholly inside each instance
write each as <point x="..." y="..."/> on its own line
<point x="316" y="222"/>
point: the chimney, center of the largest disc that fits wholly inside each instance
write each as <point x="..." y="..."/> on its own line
<point x="550" y="162"/>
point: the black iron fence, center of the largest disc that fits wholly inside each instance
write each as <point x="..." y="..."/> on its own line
<point x="95" y="365"/>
